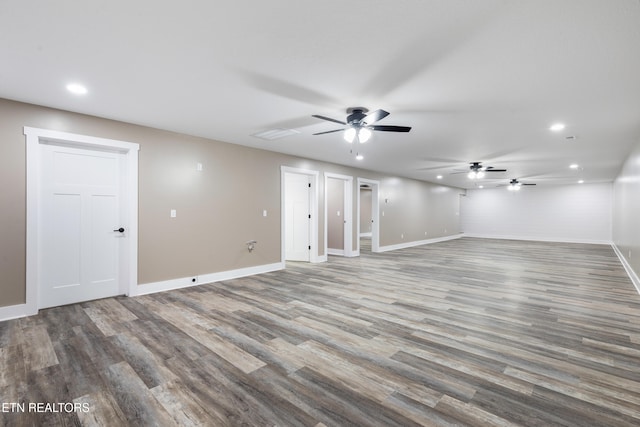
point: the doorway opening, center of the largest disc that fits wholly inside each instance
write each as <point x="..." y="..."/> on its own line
<point x="368" y="216"/>
<point x="338" y="213"/>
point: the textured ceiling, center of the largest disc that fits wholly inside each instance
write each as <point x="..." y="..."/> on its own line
<point x="477" y="80"/>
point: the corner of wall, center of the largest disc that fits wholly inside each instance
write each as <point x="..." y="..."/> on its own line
<point x="627" y="267"/>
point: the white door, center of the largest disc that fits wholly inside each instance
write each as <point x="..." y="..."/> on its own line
<point x="297" y="220"/>
<point x="80" y="218"/>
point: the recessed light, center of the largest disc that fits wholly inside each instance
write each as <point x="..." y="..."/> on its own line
<point x="439" y="177"/>
<point x="480" y="186"/>
<point x="574" y="166"/>
<point x="581" y="181"/>
<point x="77" y="89"/>
<point x="557" y="127"/>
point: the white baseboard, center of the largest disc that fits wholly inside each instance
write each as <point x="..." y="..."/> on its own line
<point x="538" y="239"/>
<point x="627" y="267"/>
<point x="16" y="311"/>
<point x="185" y="282"/>
<point x="338" y="252"/>
<point x="418" y="243"/>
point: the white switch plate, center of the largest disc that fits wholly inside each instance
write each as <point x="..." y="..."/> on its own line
<point x="264" y="212"/>
<point x="199" y="167"/>
<point x="173" y="213"/>
<point x="338" y="213"/>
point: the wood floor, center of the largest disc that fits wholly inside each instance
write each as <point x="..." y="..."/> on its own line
<point x="465" y="332"/>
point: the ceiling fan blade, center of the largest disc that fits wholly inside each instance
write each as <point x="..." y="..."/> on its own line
<point x="522" y="183"/>
<point x="494" y="170"/>
<point x="328" y="119"/>
<point x="375" y="116"/>
<point x="387" y="128"/>
<point x="329" y="131"/>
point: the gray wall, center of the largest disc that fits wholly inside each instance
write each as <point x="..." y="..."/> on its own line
<point x="218" y="209"/>
<point x="626" y="210"/>
<point x="411" y="211"/>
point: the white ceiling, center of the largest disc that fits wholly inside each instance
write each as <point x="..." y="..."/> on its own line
<point x="477" y="80"/>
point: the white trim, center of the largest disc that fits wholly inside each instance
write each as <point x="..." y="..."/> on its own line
<point x="14" y="312"/>
<point x="539" y="239"/>
<point x="627" y="267"/>
<point x="368" y="234"/>
<point x="337" y="252"/>
<point x="375" y="214"/>
<point x="313" y="232"/>
<point x="34" y="138"/>
<point x="347" y="214"/>
<point x="187" y="282"/>
<point x="418" y="243"/>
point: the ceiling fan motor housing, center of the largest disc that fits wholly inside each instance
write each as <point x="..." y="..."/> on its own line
<point x="356" y="115"/>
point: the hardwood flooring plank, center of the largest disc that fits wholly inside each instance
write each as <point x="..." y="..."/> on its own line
<point x="176" y="398"/>
<point x="41" y="356"/>
<point x="136" y="401"/>
<point x="103" y="410"/>
<point x="148" y="367"/>
<point x="108" y="314"/>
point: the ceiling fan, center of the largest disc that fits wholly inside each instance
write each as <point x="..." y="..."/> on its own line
<point x="360" y="124"/>
<point x="514" y="185"/>
<point x="477" y="171"/>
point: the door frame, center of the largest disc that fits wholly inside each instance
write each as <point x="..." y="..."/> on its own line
<point x="313" y="209"/>
<point x="348" y="213"/>
<point x="35" y="137"/>
<point x="375" y="213"/>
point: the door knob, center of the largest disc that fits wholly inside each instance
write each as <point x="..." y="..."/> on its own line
<point x="120" y="230"/>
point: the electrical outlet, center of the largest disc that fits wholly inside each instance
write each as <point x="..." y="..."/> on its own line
<point x="402" y="236"/>
<point x="173" y="213"/>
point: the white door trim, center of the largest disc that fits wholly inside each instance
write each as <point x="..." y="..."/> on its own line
<point x="375" y="213"/>
<point x="34" y="138"/>
<point x="313" y="232"/>
<point x="348" y="213"/>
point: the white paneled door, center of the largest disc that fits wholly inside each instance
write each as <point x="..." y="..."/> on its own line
<point x="297" y="217"/>
<point x="81" y="224"/>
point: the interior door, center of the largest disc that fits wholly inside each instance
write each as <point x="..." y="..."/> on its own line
<point x="297" y="221"/>
<point x="80" y="218"/>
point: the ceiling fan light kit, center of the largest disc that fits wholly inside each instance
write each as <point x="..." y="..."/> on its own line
<point x="361" y="133"/>
<point x="359" y="124"/>
<point x="515" y="185"/>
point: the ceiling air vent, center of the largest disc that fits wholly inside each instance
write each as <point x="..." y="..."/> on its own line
<point x="272" y="134"/>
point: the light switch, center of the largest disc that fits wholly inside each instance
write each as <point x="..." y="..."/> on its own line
<point x="173" y="213"/>
<point x="338" y="213"/>
<point x="264" y="212"/>
<point x="199" y="167"/>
